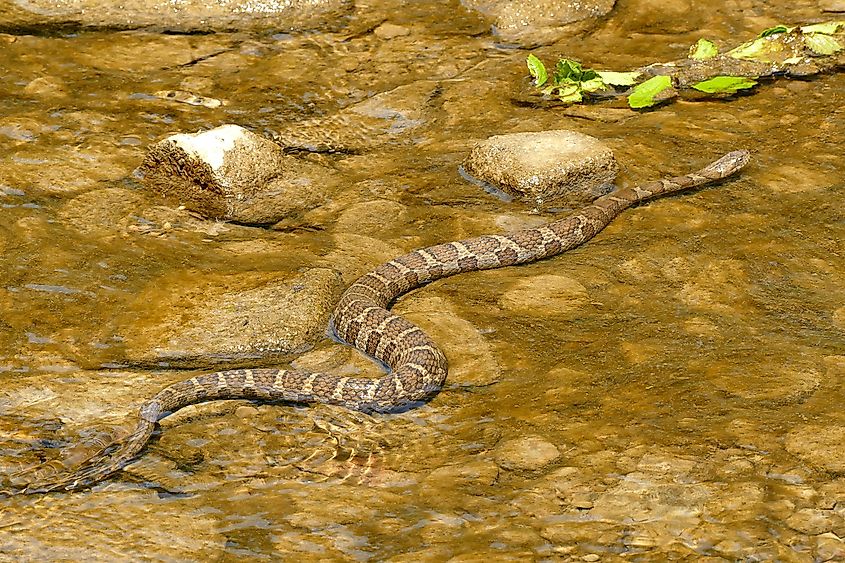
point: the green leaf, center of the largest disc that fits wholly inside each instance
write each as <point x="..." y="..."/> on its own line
<point x="776" y="29"/>
<point x="750" y="49"/>
<point x="724" y="84"/>
<point x="537" y="70"/>
<point x="567" y="69"/>
<point x="822" y="44"/>
<point x="593" y="85"/>
<point x="570" y="93"/>
<point x="703" y="49"/>
<point x="643" y="95"/>
<point x="618" y="78"/>
<point x="827" y="27"/>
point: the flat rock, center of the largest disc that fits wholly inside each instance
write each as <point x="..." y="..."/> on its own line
<point x="832" y="5"/>
<point x="228" y="319"/>
<point x="526" y="453"/>
<point x="819" y="445"/>
<point x="541" y="21"/>
<point x="183" y="16"/>
<point x="547" y="168"/>
<point x="383" y="118"/>
<point x="544" y="295"/>
<point x="471" y="358"/>
<point x="233" y="174"/>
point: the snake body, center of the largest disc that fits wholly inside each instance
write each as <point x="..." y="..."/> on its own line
<point x="417" y="367"/>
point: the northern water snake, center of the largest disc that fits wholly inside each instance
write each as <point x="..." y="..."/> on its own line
<point x="417" y="366"/>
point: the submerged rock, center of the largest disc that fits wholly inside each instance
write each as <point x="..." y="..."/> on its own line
<point x="233" y="174"/>
<point x="384" y="118"/>
<point x="541" y="21"/>
<point x="184" y="16"/>
<point x="819" y="445"/>
<point x="225" y="319"/>
<point x="526" y="453"/>
<point x="547" y="167"/>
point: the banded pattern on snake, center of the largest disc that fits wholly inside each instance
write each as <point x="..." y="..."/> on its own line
<point x="417" y="366"/>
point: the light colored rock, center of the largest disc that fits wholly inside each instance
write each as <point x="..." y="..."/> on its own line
<point x="233" y="174"/>
<point x="839" y="318"/>
<point x="237" y="318"/>
<point x="185" y="15"/>
<point x="832" y="5"/>
<point x="829" y="547"/>
<point x="471" y="358"/>
<point x="465" y="475"/>
<point x="813" y="522"/>
<point x="544" y="295"/>
<point x="546" y="168"/>
<point x="819" y="445"/>
<point x="540" y="21"/>
<point x="371" y="218"/>
<point x="390" y="31"/>
<point x="527" y="453"/>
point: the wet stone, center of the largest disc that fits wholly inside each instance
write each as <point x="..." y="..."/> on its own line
<point x="528" y="453"/>
<point x="466" y="475"/>
<point x="390" y="31"/>
<point x="371" y="217"/>
<point x="184" y="16"/>
<point x="819" y="445"/>
<point x="383" y="118"/>
<point x="813" y="522"/>
<point x="538" y="22"/>
<point x="547" y="168"/>
<point x="544" y="295"/>
<point x="471" y="358"/>
<point x="238" y="318"/>
<point x="233" y="174"/>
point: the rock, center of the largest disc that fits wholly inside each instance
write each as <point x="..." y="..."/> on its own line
<point x="390" y="31"/>
<point x="813" y="522"/>
<point x="829" y="547"/>
<point x="839" y="318"/>
<point x="182" y="16"/>
<point x="544" y="295"/>
<point x="819" y="445"/>
<point x="540" y="21"/>
<point x="471" y="358"/>
<point x="76" y="526"/>
<point x="547" y="167"/>
<point x="234" y="318"/>
<point x="383" y="118"/>
<point x="233" y="174"/>
<point x="528" y="453"/>
<point x="471" y="474"/>
<point x="47" y="87"/>
<point x="371" y="218"/>
<point x="832" y="5"/>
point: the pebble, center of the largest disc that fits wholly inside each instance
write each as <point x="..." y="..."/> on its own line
<point x="527" y="453"/>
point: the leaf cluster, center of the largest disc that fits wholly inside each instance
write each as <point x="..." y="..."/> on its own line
<point x="571" y="83"/>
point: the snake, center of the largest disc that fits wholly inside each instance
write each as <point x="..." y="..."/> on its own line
<point x="416" y="366"/>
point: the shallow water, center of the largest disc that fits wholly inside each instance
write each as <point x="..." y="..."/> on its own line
<point x="687" y="364"/>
